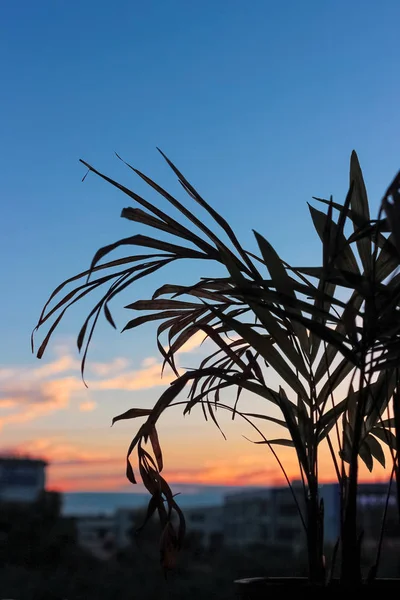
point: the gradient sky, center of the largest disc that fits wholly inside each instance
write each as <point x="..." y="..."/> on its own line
<point x="259" y="103"/>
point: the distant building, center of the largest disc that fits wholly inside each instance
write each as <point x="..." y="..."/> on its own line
<point x="372" y="500"/>
<point x="330" y="494"/>
<point x="270" y="516"/>
<point x="126" y="521"/>
<point x="22" y="480"/>
<point x="96" y="535"/>
<point x="206" y="522"/>
<point x="265" y="516"/>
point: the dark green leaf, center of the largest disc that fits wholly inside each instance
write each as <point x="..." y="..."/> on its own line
<point x="161" y="305"/>
<point x="264" y="347"/>
<point x="132" y="413"/>
<point x="129" y="472"/>
<point x="266" y="418"/>
<point x="386" y="436"/>
<point x="360" y="207"/>
<point x="155" y="444"/>
<point x="344" y="258"/>
<point x="366" y="456"/>
<point x="218" y="219"/>
<point x="376" y="450"/>
<point x="277" y="442"/>
<point x="283" y="283"/>
<point x="146" y="318"/>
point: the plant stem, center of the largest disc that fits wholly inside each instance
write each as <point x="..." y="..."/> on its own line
<point x="396" y="414"/>
<point x="351" y="567"/>
<point x="315" y="521"/>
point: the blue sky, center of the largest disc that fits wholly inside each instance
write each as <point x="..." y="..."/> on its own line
<point x="258" y="103"/>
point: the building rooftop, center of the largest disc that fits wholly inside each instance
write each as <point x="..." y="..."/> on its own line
<point x="22" y="460"/>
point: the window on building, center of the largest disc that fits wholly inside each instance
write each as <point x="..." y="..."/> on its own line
<point x="264" y="533"/>
<point x="263" y="507"/>
<point x="288" y="509"/>
<point x="197" y="518"/>
<point x="286" y="534"/>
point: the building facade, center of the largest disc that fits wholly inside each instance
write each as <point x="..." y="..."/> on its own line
<point x="207" y="523"/>
<point x="96" y="535"/>
<point x="267" y="516"/>
<point x="22" y="480"/>
<point x="270" y="515"/>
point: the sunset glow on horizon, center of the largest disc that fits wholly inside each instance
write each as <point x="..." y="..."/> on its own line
<point x="90" y="456"/>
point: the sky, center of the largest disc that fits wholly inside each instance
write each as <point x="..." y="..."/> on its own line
<point x="259" y="104"/>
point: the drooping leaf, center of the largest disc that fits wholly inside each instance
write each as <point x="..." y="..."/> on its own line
<point x="161" y="305"/>
<point x="220" y="220"/>
<point x="156" y="447"/>
<point x="277" y="442"/>
<point x="132" y="413"/>
<point x="294" y="429"/>
<point x="366" y="456"/>
<point x="266" y="418"/>
<point x="264" y="347"/>
<point x="129" y="472"/>
<point x="386" y="436"/>
<point x="147" y="242"/>
<point x="304" y="422"/>
<point x="332" y="350"/>
<point x="147" y="318"/>
<point x="329" y="418"/>
<point x="282" y="283"/>
<point x="189" y="215"/>
<point x="376" y="449"/>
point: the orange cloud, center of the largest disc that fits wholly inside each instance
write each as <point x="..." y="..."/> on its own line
<point x="61" y="365"/>
<point x="144" y="378"/>
<point x="29" y="393"/>
<point x="62" y="455"/>
<point x="193" y="343"/>
<point x="87" y="406"/>
<point x="106" y="369"/>
<point x="90" y="482"/>
<point x="77" y="467"/>
<point x="31" y="399"/>
<point x="99" y="477"/>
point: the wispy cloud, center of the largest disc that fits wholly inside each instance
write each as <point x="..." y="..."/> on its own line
<point x="61" y="365"/>
<point x="244" y="470"/>
<point x="79" y="466"/>
<point x="103" y="476"/>
<point x="30" y="399"/>
<point x="60" y="452"/>
<point x="194" y="343"/>
<point x="147" y="376"/>
<point x="106" y="369"/>
<point x="27" y="393"/>
<point x="87" y="406"/>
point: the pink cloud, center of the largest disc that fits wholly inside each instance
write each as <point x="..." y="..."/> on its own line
<point x="61" y="365"/>
<point x="87" y="406"/>
<point x="32" y="399"/>
<point x="106" y="369"/>
<point x="193" y="343"/>
<point x="60" y="452"/>
<point x="147" y="377"/>
<point x="28" y="393"/>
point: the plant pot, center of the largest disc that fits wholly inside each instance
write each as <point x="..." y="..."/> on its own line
<point x="271" y="588"/>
